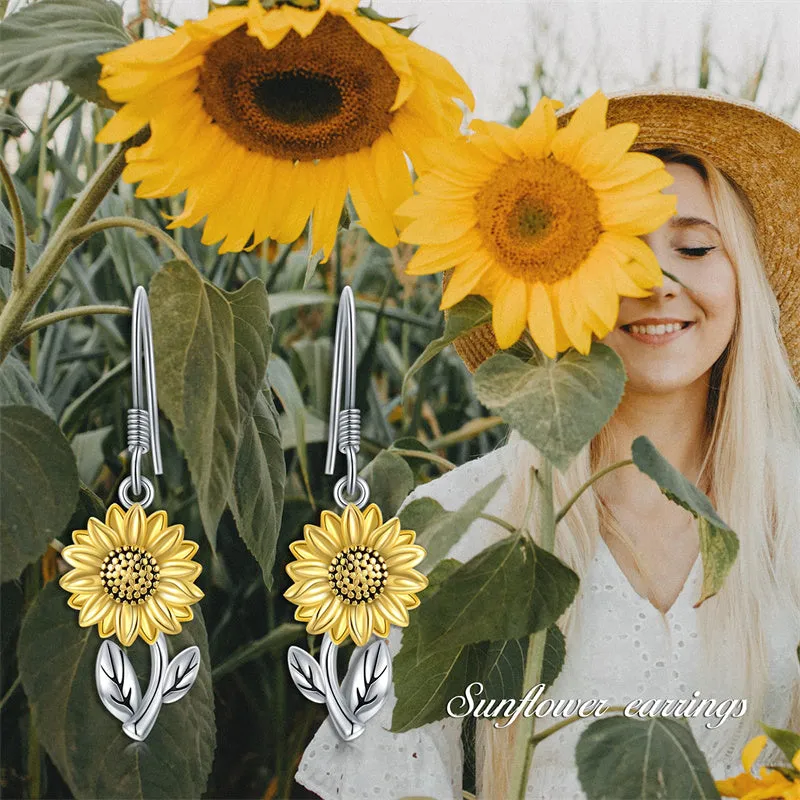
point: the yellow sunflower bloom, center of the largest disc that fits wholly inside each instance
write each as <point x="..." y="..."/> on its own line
<point x="354" y="575"/>
<point x="268" y="116"/>
<point x="543" y="222"/>
<point x="769" y="785"/>
<point x="133" y="575"/>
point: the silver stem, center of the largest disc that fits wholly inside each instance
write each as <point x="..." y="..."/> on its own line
<point x="141" y="723"/>
<point x="342" y="718"/>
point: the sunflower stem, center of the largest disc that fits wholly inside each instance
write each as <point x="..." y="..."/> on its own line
<point x="145" y="716"/>
<point x="596" y="477"/>
<point x="82" y="234"/>
<point x="20" y="245"/>
<point x="525" y="741"/>
<point x="67" y="313"/>
<point x="22" y="300"/>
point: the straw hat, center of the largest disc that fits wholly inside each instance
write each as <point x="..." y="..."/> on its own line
<point x="758" y="151"/>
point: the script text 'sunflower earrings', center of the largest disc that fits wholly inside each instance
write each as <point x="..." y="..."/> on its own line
<point x="354" y="573"/>
<point x="133" y="574"/>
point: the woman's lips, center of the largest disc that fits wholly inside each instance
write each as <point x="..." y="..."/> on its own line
<point x="655" y="338"/>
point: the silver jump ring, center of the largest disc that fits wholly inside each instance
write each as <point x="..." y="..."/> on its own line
<point x="342" y="500"/>
<point x="125" y="498"/>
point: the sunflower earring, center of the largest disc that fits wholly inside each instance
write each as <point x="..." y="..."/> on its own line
<point x="133" y="574"/>
<point x="354" y="573"/>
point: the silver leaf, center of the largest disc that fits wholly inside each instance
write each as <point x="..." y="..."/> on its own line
<point x="369" y="676"/>
<point x="116" y="681"/>
<point x="306" y="674"/>
<point x="181" y="674"/>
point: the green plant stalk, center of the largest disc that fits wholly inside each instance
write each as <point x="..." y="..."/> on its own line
<point x="20" y="246"/>
<point x="67" y="313"/>
<point x="596" y="477"/>
<point x="524" y="741"/>
<point x="21" y="302"/>
<point x="42" y="171"/>
<point x="83" y="233"/>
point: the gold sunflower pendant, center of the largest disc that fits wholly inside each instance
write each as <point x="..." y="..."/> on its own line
<point x="267" y="117"/>
<point x="354" y="577"/>
<point x="133" y="576"/>
<point x="353" y="574"/>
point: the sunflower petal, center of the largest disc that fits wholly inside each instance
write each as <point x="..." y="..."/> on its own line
<point x="588" y="120"/>
<point x="606" y="149"/>
<point x="465" y="278"/>
<point x="326" y="615"/>
<point x="536" y="133"/>
<point x="83" y="556"/>
<point x="301" y="570"/>
<point x="508" y="312"/>
<point x="79" y="581"/>
<point x="401" y="559"/>
<point x="643" y="266"/>
<point x="366" y="195"/>
<point x="331" y="194"/>
<point x="406" y="582"/>
<point x="752" y="751"/>
<point x="540" y="320"/>
<point x="127" y="623"/>
<point x="96" y="606"/>
<point x="384" y="537"/>
<point x="360" y="623"/>
<point x="136" y="525"/>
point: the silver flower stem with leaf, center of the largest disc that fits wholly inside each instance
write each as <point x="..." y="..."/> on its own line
<point x="360" y="695"/>
<point x="119" y="689"/>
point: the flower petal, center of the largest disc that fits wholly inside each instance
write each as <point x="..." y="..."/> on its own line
<point x="400" y="559"/>
<point x="79" y="581"/>
<point x="509" y="311"/>
<point x="96" y="607"/>
<point x="127" y="622"/>
<point x="406" y="582"/>
<point x="360" y="622"/>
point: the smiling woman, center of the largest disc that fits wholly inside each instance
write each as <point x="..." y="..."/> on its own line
<point x="709" y="356"/>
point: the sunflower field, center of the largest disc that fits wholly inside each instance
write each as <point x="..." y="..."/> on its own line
<point x="244" y="176"/>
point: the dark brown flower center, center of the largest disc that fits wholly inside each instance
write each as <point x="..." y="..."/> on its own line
<point x="539" y="218"/>
<point x="129" y="574"/>
<point x="357" y="575"/>
<point x="308" y="98"/>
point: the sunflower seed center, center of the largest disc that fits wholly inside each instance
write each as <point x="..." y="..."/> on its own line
<point x="298" y="98"/>
<point x="539" y="218"/>
<point x="317" y="97"/>
<point x="357" y="575"/>
<point x="129" y="574"/>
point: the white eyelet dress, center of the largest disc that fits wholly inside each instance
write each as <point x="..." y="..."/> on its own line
<point x="624" y="648"/>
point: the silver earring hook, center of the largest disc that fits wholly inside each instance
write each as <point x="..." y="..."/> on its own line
<point x="143" y="433"/>
<point x="344" y="424"/>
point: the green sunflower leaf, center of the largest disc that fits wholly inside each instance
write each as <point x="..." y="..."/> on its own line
<point x="259" y="478"/>
<point x="472" y="312"/>
<point x="58" y="40"/>
<point x="425" y="681"/>
<point x="530" y="584"/>
<point x="558" y="406"/>
<point x="719" y="545"/>
<point x="195" y="354"/>
<point x="18" y="388"/>
<point x="787" y="741"/>
<point x="438" y="530"/>
<point x="390" y="481"/>
<point x="259" y="475"/>
<point x="38" y="486"/>
<point x="648" y="759"/>
<point x="95" y="758"/>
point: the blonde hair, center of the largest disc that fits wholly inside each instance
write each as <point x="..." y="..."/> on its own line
<point x="751" y="472"/>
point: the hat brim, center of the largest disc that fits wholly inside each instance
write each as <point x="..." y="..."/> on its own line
<point x="759" y="152"/>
